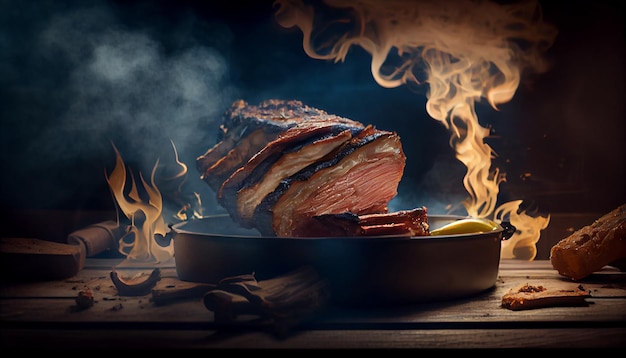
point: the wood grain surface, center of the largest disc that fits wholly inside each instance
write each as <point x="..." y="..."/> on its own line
<point x="44" y="314"/>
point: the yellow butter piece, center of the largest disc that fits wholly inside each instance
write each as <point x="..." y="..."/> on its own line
<point x="466" y="226"/>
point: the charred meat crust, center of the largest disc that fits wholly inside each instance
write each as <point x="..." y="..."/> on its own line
<point x="335" y="188"/>
<point x="288" y="169"/>
<point x="246" y="129"/>
<point x="400" y="223"/>
<point x="263" y="213"/>
<point x="265" y="166"/>
<point x="250" y="196"/>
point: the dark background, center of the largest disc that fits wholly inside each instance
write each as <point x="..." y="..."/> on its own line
<point x="77" y="77"/>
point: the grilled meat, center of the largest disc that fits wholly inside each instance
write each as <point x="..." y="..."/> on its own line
<point x="291" y="170"/>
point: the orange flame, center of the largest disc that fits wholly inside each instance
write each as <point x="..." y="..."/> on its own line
<point x="145" y="216"/>
<point x="469" y="50"/>
<point x="172" y="185"/>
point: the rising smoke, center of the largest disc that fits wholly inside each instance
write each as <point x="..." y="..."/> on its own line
<point x="465" y="51"/>
<point x="107" y="83"/>
<point x="62" y="102"/>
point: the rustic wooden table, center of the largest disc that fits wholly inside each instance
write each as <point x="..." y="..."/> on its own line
<point x="44" y="315"/>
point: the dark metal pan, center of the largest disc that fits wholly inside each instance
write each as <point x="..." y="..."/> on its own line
<point x="361" y="270"/>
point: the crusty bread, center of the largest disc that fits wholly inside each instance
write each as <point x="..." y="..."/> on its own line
<point x="592" y="247"/>
<point x="526" y="297"/>
<point x="32" y="259"/>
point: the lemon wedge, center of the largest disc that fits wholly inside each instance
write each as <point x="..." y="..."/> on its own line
<point x="466" y="226"/>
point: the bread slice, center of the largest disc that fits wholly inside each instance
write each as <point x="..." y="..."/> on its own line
<point x="592" y="247"/>
<point x="29" y="259"/>
<point x="526" y="297"/>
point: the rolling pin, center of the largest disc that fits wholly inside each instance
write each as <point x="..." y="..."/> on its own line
<point x="97" y="238"/>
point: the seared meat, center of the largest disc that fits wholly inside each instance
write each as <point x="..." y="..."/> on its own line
<point x="247" y="187"/>
<point x="402" y="223"/>
<point x="360" y="178"/>
<point x="284" y="168"/>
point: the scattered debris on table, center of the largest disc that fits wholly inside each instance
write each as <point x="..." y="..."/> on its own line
<point x="84" y="300"/>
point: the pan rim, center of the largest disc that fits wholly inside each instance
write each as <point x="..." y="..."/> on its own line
<point x="179" y="229"/>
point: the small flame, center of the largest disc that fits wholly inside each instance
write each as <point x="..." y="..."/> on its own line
<point x="139" y="243"/>
<point x="469" y="50"/>
<point x="527" y="231"/>
<point x="190" y="205"/>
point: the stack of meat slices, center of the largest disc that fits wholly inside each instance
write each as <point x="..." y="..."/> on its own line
<point x="290" y="170"/>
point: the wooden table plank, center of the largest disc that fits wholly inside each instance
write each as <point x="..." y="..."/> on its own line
<point x="98" y="280"/>
<point x="467" y="314"/>
<point x="45" y="312"/>
<point x="609" y="305"/>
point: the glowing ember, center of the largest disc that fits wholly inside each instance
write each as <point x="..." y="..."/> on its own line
<point x="143" y="206"/>
<point x="468" y="51"/>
